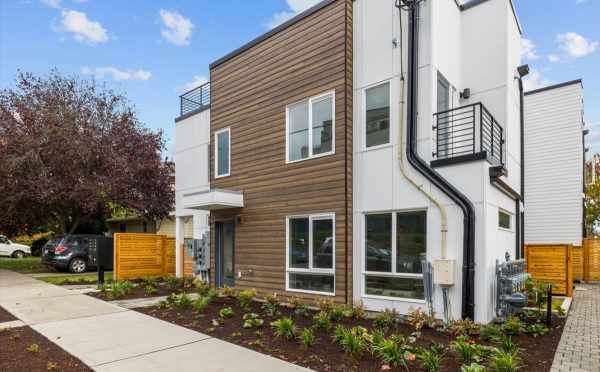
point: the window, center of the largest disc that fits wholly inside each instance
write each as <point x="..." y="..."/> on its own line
<point x="443" y="104"/>
<point x="504" y="220"/>
<point x="395" y="245"/>
<point x="377" y="102"/>
<point x="4" y="240"/>
<point x="310" y="128"/>
<point x="222" y="152"/>
<point x="311" y="253"/>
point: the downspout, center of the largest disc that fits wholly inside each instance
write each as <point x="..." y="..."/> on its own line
<point x="523" y="71"/>
<point x="468" y="277"/>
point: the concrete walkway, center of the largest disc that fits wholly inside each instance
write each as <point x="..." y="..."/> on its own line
<point x="579" y="348"/>
<point x="108" y="337"/>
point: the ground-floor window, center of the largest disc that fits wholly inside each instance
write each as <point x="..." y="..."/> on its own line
<point x="310" y="251"/>
<point x="394" y="247"/>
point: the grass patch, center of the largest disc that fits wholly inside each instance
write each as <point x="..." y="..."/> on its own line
<point x="91" y="278"/>
<point x="27" y="265"/>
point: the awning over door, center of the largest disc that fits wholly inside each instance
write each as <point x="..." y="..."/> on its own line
<point x="214" y="199"/>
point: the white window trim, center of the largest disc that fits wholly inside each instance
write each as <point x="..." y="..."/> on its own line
<point x="310" y="101"/>
<point x="510" y="215"/>
<point x="364" y="105"/>
<point x="310" y="270"/>
<point x="217" y="175"/>
<point x="392" y="274"/>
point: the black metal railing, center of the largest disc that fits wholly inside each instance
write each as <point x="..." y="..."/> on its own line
<point x="468" y="130"/>
<point x="195" y="99"/>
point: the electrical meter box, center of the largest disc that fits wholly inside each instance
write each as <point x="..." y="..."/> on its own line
<point x="443" y="272"/>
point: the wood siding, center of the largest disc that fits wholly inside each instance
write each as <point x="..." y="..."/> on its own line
<point x="250" y="93"/>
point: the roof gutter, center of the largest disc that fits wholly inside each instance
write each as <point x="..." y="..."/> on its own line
<point x="414" y="159"/>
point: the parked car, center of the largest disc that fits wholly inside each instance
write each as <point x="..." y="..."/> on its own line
<point x="10" y="249"/>
<point x="70" y="252"/>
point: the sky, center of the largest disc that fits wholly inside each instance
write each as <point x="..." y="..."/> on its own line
<point x="155" y="50"/>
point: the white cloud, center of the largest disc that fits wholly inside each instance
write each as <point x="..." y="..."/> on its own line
<point x="575" y="45"/>
<point x="83" y="29"/>
<point x="295" y="7"/>
<point x="553" y="58"/>
<point x="196" y="81"/>
<point x="528" y="51"/>
<point x="535" y="80"/>
<point x="177" y="29"/>
<point x="116" y="73"/>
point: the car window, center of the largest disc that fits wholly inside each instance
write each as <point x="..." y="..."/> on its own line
<point x="4" y="240"/>
<point x="52" y="243"/>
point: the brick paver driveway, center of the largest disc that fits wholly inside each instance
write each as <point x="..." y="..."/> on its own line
<point x="579" y="348"/>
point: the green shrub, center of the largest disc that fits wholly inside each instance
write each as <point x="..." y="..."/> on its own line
<point x="322" y="320"/>
<point x="226" y="312"/>
<point x="118" y="288"/>
<point x="271" y="305"/>
<point x="339" y="333"/>
<point x="463" y="327"/>
<point x="202" y="287"/>
<point x="513" y="326"/>
<point x="336" y="313"/>
<point x="491" y="332"/>
<point x="174" y="282"/>
<point x="307" y="337"/>
<point x="431" y="360"/>
<point x="252" y="320"/>
<point x="183" y="300"/>
<point x="473" y="367"/>
<point x="359" y="311"/>
<point x="507" y="344"/>
<point x="419" y="319"/>
<point x="150" y="290"/>
<point x="536" y="329"/>
<point x="389" y="351"/>
<point x="245" y="298"/>
<point x="387" y="319"/>
<point x="325" y="304"/>
<point x="284" y="327"/>
<point x="201" y="303"/>
<point x="502" y="361"/>
<point x="468" y="351"/>
<point x="301" y="309"/>
<point x="355" y="340"/>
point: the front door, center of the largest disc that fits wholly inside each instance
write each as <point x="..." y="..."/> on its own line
<point x="225" y="254"/>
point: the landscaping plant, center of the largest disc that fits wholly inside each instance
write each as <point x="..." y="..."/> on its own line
<point x="322" y="320"/>
<point x="419" y="319"/>
<point x="513" y="326"/>
<point x="536" y="329"/>
<point x="251" y="320"/>
<point x="507" y="344"/>
<point x="183" y="300"/>
<point x="202" y="287"/>
<point x="245" y="298"/>
<point x="201" y="303"/>
<point x="307" y="337"/>
<point x="463" y="327"/>
<point x="502" y="361"/>
<point x="301" y="309"/>
<point x="284" y="327"/>
<point x="271" y="305"/>
<point x="386" y="319"/>
<point x="473" y="367"/>
<point x="431" y="360"/>
<point x="392" y="352"/>
<point x="491" y="332"/>
<point x="226" y="312"/>
<point x="359" y="311"/>
<point x="355" y="341"/>
<point x="468" y="351"/>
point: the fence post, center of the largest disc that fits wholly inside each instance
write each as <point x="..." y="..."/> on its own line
<point x="116" y="238"/>
<point x="549" y="307"/>
<point x="570" y="270"/>
<point x="163" y="251"/>
<point x="586" y="260"/>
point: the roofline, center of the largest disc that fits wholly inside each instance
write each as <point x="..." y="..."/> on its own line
<point x="474" y="3"/>
<point x="270" y="33"/>
<point x="555" y="86"/>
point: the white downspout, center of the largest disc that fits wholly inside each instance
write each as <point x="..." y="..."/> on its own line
<point x="404" y="171"/>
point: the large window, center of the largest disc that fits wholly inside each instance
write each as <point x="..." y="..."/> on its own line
<point x="310" y="128"/>
<point x="222" y="152"/>
<point x="395" y="246"/>
<point x="377" y="101"/>
<point x="311" y="253"/>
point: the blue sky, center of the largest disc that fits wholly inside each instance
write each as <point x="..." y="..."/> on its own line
<point x="154" y="50"/>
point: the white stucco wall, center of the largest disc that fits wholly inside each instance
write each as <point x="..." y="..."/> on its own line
<point x="473" y="49"/>
<point x="554" y="166"/>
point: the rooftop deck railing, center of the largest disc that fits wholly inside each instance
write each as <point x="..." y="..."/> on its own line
<point x="468" y="130"/>
<point x="195" y="99"/>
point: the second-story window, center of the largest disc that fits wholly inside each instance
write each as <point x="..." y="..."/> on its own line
<point x="222" y="153"/>
<point x="377" y="101"/>
<point x="310" y="128"/>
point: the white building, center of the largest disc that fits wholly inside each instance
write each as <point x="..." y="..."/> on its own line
<point x="554" y="163"/>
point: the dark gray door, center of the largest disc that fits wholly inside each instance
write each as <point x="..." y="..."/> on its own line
<point x="225" y="254"/>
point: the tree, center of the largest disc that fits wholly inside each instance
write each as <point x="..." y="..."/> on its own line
<point x="69" y="149"/>
<point x="592" y="207"/>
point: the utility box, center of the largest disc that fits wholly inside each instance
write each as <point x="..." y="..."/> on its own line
<point x="101" y="252"/>
<point x="443" y="272"/>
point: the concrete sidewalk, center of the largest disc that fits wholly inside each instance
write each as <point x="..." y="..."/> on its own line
<point x="111" y="338"/>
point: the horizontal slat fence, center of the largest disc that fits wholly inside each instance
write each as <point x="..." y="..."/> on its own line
<point x="591" y="260"/>
<point x="552" y="263"/>
<point x="143" y="255"/>
<point x="578" y="263"/>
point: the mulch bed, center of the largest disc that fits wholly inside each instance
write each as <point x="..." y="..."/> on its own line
<point x="23" y="349"/>
<point x="139" y="291"/>
<point x="536" y="353"/>
<point x="5" y="316"/>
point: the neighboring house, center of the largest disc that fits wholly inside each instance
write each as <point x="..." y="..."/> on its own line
<point x="135" y="224"/>
<point x="328" y="171"/>
<point x="554" y="164"/>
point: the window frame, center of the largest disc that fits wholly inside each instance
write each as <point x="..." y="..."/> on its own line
<point x="510" y="220"/>
<point x="217" y="175"/>
<point x="311" y="269"/>
<point x="393" y="273"/>
<point x="364" y="115"/>
<point x="309" y="101"/>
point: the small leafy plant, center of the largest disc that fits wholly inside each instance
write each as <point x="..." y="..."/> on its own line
<point x="33" y="348"/>
<point x="183" y="300"/>
<point x="431" y="360"/>
<point x="322" y="320"/>
<point x="150" y="290"/>
<point x="507" y="344"/>
<point x="251" y="320"/>
<point x="202" y="286"/>
<point x="355" y="340"/>
<point x="463" y="327"/>
<point x="490" y="332"/>
<point x="226" y="312"/>
<point x="359" y="311"/>
<point x="473" y="367"/>
<point x="201" y="303"/>
<point x="468" y="351"/>
<point x="325" y="304"/>
<point x="387" y="319"/>
<point x="271" y="305"/>
<point x="117" y="288"/>
<point x="245" y="298"/>
<point x="536" y="329"/>
<point x="174" y="282"/>
<point x="513" y="326"/>
<point x="502" y="361"/>
<point x="419" y="319"/>
<point x="393" y="351"/>
<point x="284" y="327"/>
<point x="307" y="337"/>
<point x="227" y="291"/>
<point x="336" y="313"/>
<point x="301" y="309"/>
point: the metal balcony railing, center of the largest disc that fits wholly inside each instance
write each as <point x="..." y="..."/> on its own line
<point x="468" y="130"/>
<point x="195" y="99"/>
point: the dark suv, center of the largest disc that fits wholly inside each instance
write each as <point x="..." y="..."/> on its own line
<point x="71" y="252"/>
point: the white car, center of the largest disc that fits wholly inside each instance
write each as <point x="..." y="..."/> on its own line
<point x="10" y="249"/>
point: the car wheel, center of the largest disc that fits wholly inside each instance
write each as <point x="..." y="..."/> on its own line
<point x="77" y="265"/>
<point x="18" y="254"/>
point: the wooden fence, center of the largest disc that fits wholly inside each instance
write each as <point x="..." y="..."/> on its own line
<point x="591" y="260"/>
<point x="143" y="255"/>
<point x="552" y="263"/>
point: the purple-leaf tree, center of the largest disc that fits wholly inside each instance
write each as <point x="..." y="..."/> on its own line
<point x="69" y="148"/>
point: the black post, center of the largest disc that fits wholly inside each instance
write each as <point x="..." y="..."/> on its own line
<point x="549" y="307"/>
<point x="100" y="274"/>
